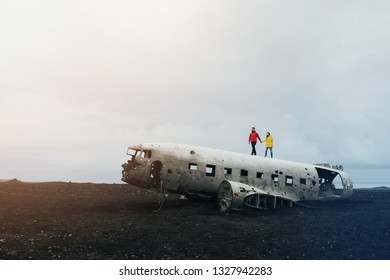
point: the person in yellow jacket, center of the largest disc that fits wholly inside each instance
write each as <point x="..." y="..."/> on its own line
<point x="269" y="144"/>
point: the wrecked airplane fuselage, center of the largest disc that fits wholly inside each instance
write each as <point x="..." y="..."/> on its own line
<point x="236" y="180"/>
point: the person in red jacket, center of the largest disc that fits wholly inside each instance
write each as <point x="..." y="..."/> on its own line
<point x="253" y="136"/>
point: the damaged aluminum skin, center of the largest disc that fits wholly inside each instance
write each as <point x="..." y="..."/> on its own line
<point x="235" y="180"/>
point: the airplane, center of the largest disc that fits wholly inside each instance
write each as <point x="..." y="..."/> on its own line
<point x="236" y="180"/>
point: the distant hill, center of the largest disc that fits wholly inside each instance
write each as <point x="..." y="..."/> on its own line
<point x="381" y="188"/>
<point x="12" y="181"/>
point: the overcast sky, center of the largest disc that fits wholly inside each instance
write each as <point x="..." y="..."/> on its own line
<point x="83" y="80"/>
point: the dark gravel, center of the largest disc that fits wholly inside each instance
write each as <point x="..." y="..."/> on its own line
<point x="58" y="220"/>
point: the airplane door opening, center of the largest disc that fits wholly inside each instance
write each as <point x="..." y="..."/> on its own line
<point x="338" y="183"/>
<point x="155" y="180"/>
<point x="330" y="182"/>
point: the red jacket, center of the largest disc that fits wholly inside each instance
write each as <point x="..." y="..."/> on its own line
<point x="253" y="136"/>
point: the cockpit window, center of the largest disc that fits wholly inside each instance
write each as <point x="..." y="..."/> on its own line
<point x="139" y="153"/>
<point x="145" y="154"/>
<point x="131" y="152"/>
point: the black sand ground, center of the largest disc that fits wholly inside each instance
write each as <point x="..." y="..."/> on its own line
<point x="104" y="221"/>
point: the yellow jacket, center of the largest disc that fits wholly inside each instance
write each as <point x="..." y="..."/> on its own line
<point x="269" y="142"/>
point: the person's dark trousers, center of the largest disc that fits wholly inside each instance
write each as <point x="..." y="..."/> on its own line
<point x="253" y="148"/>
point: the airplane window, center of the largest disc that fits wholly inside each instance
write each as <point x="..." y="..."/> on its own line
<point x="289" y="180"/>
<point x="275" y="179"/>
<point x="227" y="171"/>
<point x="192" y="167"/>
<point x="210" y="170"/>
<point x="259" y="175"/>
<point x="131" y="152"/>
<point x="148" y="154"/>
<point x="244" y="172"/>
<point x="302" y="181"/>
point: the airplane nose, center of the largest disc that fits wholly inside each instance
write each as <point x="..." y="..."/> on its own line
<point x="125" y="173"/>
<point x="136" y="173"/>
<point x="125" y="176"/>
<point x="127" y="168"/>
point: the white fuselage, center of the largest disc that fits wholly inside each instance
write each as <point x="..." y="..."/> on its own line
<point x="188" y="169"/>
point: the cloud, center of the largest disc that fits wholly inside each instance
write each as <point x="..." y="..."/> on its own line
<point x="81" y="81"/>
